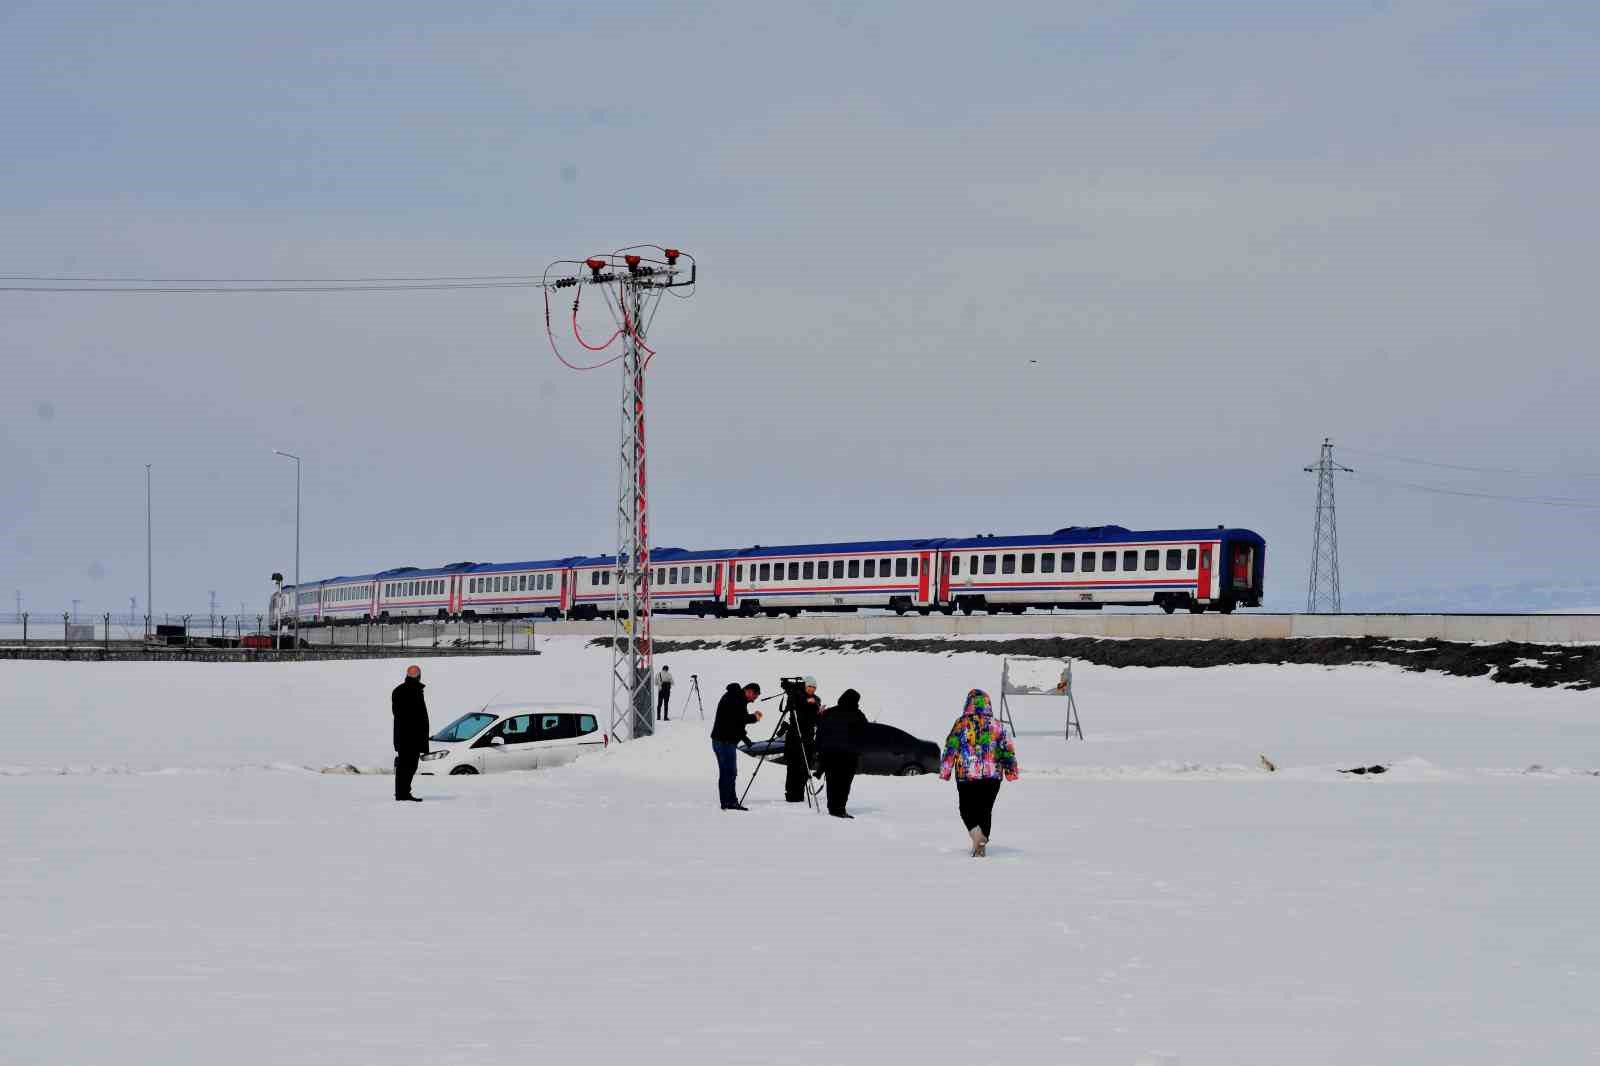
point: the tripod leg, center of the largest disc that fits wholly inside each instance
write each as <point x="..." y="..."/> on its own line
<point x="763" y="760"/>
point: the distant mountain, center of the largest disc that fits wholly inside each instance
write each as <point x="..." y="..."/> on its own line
<point x="1580" y="594"/>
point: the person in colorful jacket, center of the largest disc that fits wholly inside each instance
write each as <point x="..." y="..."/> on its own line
<point x="979" y="753"/>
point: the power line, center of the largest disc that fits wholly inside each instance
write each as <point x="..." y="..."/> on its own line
<point x="1542" y="501"/>
<point x="1472" y="469"/>
<point x="267" y="281"/>
<point x="531" y="283"/>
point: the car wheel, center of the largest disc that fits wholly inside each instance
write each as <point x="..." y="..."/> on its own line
<point x="911" y="769"/>
<point x="463" y="770"/>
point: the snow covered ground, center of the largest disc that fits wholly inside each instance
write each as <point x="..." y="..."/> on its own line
<point x="177" y="886"/>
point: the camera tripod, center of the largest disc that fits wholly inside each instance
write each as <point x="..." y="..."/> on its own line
<point x="813" y="799"/>
<point x="694" y="690"/>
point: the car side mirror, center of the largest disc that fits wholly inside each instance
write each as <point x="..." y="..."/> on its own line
<point x="497" y="742"/>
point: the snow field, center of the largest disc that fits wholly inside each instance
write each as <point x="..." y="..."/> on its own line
<point x="1151" y="895"/>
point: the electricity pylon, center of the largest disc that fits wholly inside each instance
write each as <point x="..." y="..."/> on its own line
<point x="632" y="284"/>
<point x="1322" y="593"/>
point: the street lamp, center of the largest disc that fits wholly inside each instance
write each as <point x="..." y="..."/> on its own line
<point x="296" y="459"/>
<point x="149" y="583"/>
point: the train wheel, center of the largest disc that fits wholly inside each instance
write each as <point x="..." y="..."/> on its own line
<point x="1168" y="606"/>
<point x="1197" y="608"/>
<point x="1226" y="607"/>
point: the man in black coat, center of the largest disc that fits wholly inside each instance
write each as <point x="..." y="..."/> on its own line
<point x="799" y="743"/>
<point x="410" y="731"/>
<point x="727" y="732"/>
<point x="839" y="746"/>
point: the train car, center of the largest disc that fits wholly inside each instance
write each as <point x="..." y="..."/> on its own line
<point x="515" y="589"/>
<point x="1096" y="566"/>
<point x="348" y="599"/>
<point x="689" y="582"/>
<point x="412" y="592"/>
<point x="896" y="574"/>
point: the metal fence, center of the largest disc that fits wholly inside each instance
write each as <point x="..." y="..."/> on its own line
<point x="225" y="631"/>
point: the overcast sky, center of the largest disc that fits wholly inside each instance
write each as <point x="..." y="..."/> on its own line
<point x="1223" y="231"/>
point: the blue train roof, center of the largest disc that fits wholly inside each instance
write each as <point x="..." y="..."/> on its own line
<point x="532" y="564"/>
<point x="760" y="551"/>
<point x="1101" y="535"/>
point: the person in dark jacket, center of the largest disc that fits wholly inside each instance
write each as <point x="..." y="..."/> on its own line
<point x="799" y="743"/>
<point x="727" y="732"/>
<point x="410" y="731"/>
<point x="839" y="749"/>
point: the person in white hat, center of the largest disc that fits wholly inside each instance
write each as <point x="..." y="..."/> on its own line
<point x="800" y="745"/>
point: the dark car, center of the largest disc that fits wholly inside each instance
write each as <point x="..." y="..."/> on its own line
<point x="884" y="750"/>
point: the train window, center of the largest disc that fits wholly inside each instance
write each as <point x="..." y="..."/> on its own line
<point x="594" y="577"/>
<point x="1027" y="562"/>
<point x="915" y="566"/>
<point x="1130" y="560"/>
<point x="1008" y="564"/>
<point x="605" y="577"/>
<point x="1174" y="558"/>
<point x="838" y="568"/>
<point x="738" y="572"/>
<point x="872" y="568"/>
<point x="988" y="564"/>
<point x="1108" y="561"/>
<point x="808" y="571"/>
<point x="902" y="567"/>
<point x="1047" y="562"/>
<point x="1152" y="559"/>
<point x="855" y="567"/>
<point x="955" y="566"/>
<point x="1191" y="559"/>
<point x="698" y="572"/>
<point x="1088" y="562"/>
<point x="765" y="573"/>
<point x="794" y="571"/>
<point x="672" y="575"/>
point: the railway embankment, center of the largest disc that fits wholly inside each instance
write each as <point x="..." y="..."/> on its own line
<point x="1508" y="662"/>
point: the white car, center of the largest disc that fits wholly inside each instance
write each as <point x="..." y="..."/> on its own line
<point x="514" y="736"/>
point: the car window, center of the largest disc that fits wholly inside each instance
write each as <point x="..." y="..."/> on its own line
<point x="587" y="724"/>
<point x="518" y="729"/>
<point x="464" y="728"/>
<point x="557" y="726"/>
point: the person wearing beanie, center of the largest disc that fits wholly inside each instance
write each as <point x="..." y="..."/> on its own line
<point x="979" y="753"/>
<point x="799" y="743"/>
<point x="727" y="732"/>
<point x="839" y="749"/>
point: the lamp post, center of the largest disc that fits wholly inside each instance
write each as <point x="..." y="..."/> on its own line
<point x="149" y="581"/>
<point x="296" y="615"/>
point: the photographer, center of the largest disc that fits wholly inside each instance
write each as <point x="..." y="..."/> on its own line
<point x="799" y="743"/>
<point x="839" y="744"/>
<point x="728" y="731"/>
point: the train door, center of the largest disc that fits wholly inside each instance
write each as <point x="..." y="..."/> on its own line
<point x="1243" y="564"/>
<point x="1204" y="590"/>
<point x="944" y="577"/>
<point x="372" y="599"/>
<point x="716" y="582"/>
<point x="924" y="579"/>
<point x="733" y="592"/>
<point x="566" y="591"/>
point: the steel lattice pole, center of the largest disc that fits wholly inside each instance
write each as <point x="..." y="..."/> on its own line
<point x="1322" y="590"/>
<point x="631" y="648"/>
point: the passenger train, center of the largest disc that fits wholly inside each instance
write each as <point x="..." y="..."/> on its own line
<point x="1077" y="567"/>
